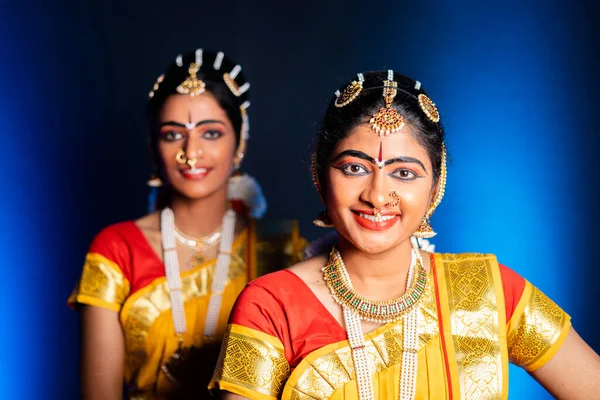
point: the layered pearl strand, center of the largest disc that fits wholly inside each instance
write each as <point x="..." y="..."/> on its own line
<point x="197" y="244"/>
<point x="352" y="318"/>
<point x="167" y="228"/>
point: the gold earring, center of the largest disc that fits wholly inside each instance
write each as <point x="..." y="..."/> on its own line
<point x="154" y="181"/>
<point x="323" y="220"/>
<point x="424" y="231"/>
<point x="181" y="158"/>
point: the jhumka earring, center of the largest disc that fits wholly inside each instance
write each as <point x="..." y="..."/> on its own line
<point x="323" y="220"/>
<point x="425" y="231"/>
<point x="154" y="181"/>
<point x="388" y="121"/>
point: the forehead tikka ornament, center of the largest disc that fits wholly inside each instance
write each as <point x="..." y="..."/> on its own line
<point x="192" y="85"/>
<point x="388" y="121"/>
<point x="350" y="93"/>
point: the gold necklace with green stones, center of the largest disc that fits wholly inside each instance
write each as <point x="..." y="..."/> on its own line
<point x="338" y="281"/>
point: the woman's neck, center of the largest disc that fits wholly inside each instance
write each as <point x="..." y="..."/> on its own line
<point x="200" y="217"/>
<point x="377" y="270"/>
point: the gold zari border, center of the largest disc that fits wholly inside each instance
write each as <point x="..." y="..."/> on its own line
<point x="540" y="327"/>
<point x="476" y="305"/>
<point x="251" y="361"/>
<point x="102" y="284"/>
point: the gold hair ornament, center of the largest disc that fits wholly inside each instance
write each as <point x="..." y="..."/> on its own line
<point x="192" y="85"/>
<point x="388" y="121"/>
<point x="425" y="231"/>
<point x="156" y="85"/>
<point x="429" y="108"/>
<point x="229" y="79"/>
<point x="350" y="93"/>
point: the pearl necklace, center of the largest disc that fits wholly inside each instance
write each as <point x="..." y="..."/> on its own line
<point x="352" y="318"/>
<point x="197" y="244"/>
<point x="174" y="280"/>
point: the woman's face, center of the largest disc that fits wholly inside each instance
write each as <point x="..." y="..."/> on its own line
<point x="197" y="129"/>
<point x="364" y="171"/>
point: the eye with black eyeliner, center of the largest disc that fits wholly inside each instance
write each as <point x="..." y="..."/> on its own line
<point x="212" y="134"/>
<point x="404" y="174"/>
<point x="171" y="136"/>
<point x="352" y="169"/>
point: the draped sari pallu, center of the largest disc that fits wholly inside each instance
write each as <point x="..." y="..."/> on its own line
<point x="465" y="342"/>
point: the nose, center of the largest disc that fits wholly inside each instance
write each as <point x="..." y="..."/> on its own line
<point x="192" y="149"/>
<point x="374" y="194"/>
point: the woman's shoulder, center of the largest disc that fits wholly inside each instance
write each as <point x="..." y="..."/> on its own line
<point x="286" y="284"/>
<point x="113" y="235"/>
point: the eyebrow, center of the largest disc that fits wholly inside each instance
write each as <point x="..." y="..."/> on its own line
<point x="403" y="159"/>
<point x="361" y="155"/>
<point x="180" y="125"/>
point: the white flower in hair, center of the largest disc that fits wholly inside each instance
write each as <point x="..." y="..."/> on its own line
<point x="247" y="189"/>
<point x="423" y="244"/>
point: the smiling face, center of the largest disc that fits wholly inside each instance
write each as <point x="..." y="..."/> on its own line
<point x="196" y="145"/>
<point x="364" y="172"/>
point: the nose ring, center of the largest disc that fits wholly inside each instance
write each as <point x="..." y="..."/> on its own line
<point x="181" y="157"/>
<point x="377" y="213"/>
<point x="395" y="198"/>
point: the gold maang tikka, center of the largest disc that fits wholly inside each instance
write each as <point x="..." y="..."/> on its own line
<point x="192" y="85"/>
<point x="350" y="93"/>
<point x="388" y="121"/>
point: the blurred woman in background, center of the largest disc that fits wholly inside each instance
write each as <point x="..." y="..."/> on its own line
<point x="155" y="293"/>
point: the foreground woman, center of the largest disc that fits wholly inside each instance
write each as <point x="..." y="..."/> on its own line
<point x="378" y="318"/>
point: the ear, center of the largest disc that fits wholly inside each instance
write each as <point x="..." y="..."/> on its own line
<point x="433" y="194"/>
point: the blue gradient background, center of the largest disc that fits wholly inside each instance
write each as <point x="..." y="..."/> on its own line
<point x="516" y="83"/>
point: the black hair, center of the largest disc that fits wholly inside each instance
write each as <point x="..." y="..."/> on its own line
<point x="176" y="73"/>
<point x="340" y="121"/>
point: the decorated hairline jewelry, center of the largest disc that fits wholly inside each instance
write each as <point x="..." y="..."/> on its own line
<point x="388" y="121"/>
<point x="350" y="93"/>
<point x="425" y="229"/>
<point x="229" y="79"/>
<point x="192" y="85"/>
<point x="156" y="86"/>
<point x="244" y="136"/>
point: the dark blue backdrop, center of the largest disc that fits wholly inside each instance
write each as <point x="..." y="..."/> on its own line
<point x="516" y="83"/>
